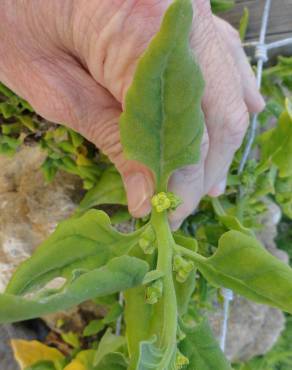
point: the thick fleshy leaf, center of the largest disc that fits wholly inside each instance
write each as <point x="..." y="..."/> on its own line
<point x="108" y="190"/>
<point x="276" y="145"/>
<point x="162" y="124"/>
<point x="77" y="245"/>
<point x="242" y="264"/>
<point x="137" y="314"/>
<point x="152" y="357"/>
<point x="117" y="275"/>
<point x="185" y="290"/>
<point x="28" y="353"/>
<point x="202" y="349"/>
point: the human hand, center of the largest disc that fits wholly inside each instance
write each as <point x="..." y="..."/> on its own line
<point x="74" y="61"/>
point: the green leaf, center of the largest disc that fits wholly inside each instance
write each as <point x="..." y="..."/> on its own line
<point x="284" y="195"/>
<point x="43" y="365"/>
<point x="5" y="91"/>
<point x="112" y="361"/>
<point x="109" y="343"/>
<point x="72" y="339"/>
<point x="185" y="241"/>
<point x="108" y="190"/>
<point x="162" y="124"/>
<point x="221" y="5"/>
<point x="243" y="265"/>
<point x="94" y="327"/>
<point x="115" y="311"/>
<point x="152" y="357"/>
<point x="244" y="23"/>
<point x="117" y="275"/>
<point x="276" y="145"/>
<point x="232" y="223"/>
<point x="185" y="290"/>
<point x="49" y="169"/>
<point x="202" y="349"/>
<point x="84" y="243"/>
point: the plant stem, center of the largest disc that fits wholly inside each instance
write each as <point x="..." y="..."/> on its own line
<point x="165" y="254"/>
<point x="197" y="258"/>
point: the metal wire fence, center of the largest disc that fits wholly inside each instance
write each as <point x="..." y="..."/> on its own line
<point x="262" y="56"/>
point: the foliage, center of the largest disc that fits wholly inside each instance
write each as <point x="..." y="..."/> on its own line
<point x="219" y="6"/>
<point x="162" y="274"/>
<point x="66" y="150"/>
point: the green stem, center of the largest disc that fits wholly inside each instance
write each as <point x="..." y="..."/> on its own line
<point x="164" y="263"/>
<point x="217" y="206"/>
<point x="197" y="258"/>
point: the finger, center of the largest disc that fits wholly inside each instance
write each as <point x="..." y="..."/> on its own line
<point x="224" y="143"/>
<point x="218" y="189"/>
<point x="188" y="184"/>
<point x="67" y="93"/>
<point x="253" y="99"/>
<point x="225" y="111"/>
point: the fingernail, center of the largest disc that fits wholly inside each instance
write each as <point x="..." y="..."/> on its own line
<point x="139" y="191"/>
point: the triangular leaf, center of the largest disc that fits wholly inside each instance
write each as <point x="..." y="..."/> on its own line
<point x="242" y="264"/>
<point x="162" y="124"/>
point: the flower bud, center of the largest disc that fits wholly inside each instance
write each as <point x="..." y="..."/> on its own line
<point x="182" y="267"/>
<point x="154" y="292"/>
<point x="180" y="360"/>
<point x="147" y="240"/>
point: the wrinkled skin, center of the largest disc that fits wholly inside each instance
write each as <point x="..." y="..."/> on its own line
<point x="74" y="60"/>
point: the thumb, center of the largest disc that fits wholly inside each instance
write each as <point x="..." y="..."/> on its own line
<point x="88" y="108"/>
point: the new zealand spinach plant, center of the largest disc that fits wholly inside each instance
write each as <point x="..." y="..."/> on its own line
<point x="155" y="268"/>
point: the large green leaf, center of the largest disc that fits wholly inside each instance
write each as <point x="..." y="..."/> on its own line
<point x="162" y="124"/>
<point x="117" y="275"/>
<point x="276" y="145"/>
<point x="202" y="349"/>
<point x="86" y="243"/>
<point x="108" y="190"/>
<point x="243" y="265"/>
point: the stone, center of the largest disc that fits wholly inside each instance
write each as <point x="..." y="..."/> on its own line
<point x="30" y="208"/>
<point x="252" y="328"/>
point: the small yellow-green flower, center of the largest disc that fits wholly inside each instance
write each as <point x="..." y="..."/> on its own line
<point x="163" y="201"/>
<point x="181" y="360"/>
